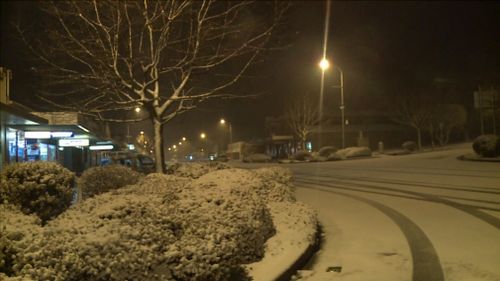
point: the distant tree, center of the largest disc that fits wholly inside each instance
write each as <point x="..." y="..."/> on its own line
<point x="443" y="119"/>
<point x="302" y="116"/>
<point x="104" y="58"/>
<point x="412" y="110"/>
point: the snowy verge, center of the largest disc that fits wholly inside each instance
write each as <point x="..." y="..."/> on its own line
<point x="296" y="227"/>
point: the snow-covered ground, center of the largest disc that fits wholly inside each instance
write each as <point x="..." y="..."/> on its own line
<point x="398" y="218"/>
<point x="425" y="216"/>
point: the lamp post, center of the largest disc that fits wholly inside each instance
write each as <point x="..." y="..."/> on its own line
<point x="342" y="105"/>
<point x="223" y="122"/>
<point x="324" y="65"/>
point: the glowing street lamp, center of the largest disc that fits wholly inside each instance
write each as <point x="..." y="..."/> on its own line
<point x="183" y="138"/>
<point x="324" y="64"/>
<point x="223" y="122"/>
<point x="203" y="136"/>
<point x="137" y="109"/>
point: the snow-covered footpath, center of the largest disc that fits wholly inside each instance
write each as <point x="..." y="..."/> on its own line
<point x="201" y="222"/>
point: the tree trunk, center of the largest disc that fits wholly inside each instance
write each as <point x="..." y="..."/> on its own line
<point x="419" y="138"/>
<point x="158" y="139"/>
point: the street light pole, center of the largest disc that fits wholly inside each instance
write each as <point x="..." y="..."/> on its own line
<point x="342" y="105"/>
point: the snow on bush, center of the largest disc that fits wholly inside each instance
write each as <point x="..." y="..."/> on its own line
<point x="257" y="158"/>
<point x="42" y="188"/>
<point x="15" y="227"/>
<point x="325" y="151"/>
<point x="97" y="180"/>
<point x="195" y="170"/>
<point x="268" y="189"/>
<point x="315" y="157"/>
<point x="487" y="145"/>
<point x="350" y="152"/>
<point x="163" y="228"/>
<point x="409" y="146"/>
<point x="276" y="173"/>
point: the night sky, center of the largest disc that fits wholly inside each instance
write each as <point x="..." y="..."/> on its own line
<point x="385" y="49"/>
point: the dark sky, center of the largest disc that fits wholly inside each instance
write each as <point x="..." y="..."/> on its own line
<point x="384" y="48"/>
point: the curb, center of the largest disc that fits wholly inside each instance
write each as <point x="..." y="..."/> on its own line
<point x="474" y="157"/>
<point x="304" y="258"/>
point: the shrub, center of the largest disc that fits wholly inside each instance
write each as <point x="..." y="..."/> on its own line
<point x="279" y="174"/>
<point x="42" y="188"/>
<point x="325" y="151"/>
<point x="14" y="228"/>
<point x="195" y="170"/>
<point x="409" y="146"/>
<point x="350" y="152"/>
<point x="487" y="145"/>
<point x="201" y="229"/>
<point x="97" y="180"/>
<point x="257" y="158"/>
<point x="302" y="155"/>
<point x="336" y="156"/>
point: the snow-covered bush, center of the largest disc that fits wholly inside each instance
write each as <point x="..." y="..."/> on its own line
<point x="195" y="170"/>
<point x="276" y="173"/>
<point x="350" y="152"/>
<point x="202" y="229"/>
<point x="325" y="151"/>
<point x="487" y="145"/>
<point x="409" y="146"/>
<point x="315" y="157"/>
<point x="336" y="156"/>
<point x="97" y="180"/>
<point x="302" y="155"/>
<point x="257" y="158"/>
<point x="268" y="189"/>
<point x="43" y="188"/>
<point x="15" y="227"/>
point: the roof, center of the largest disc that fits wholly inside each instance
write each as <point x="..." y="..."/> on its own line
<point x="12" y="114"/>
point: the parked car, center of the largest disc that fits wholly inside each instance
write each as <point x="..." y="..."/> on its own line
<point x="136" y="161"/>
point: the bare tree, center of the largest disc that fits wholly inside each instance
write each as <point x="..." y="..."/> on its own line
<point x="104" y="57"/>
<point x="302" y="117"/>
<point x="412" y="110"/>
<point x="443" y="119"/>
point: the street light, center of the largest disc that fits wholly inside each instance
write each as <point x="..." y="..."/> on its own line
<point x="203" y="136"/>
<point x="223" y="122"/>
<point x="324" y="65"/>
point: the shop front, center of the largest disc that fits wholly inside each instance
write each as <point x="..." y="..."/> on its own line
<point x="14" y="147"/>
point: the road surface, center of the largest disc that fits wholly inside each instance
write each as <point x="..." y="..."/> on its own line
<point x="420" y="217"/>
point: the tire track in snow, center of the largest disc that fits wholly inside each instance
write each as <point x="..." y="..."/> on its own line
<point x="426" y="264"/>
<point x="469" y="209"/>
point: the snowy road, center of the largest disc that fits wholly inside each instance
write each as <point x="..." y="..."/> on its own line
<point x="422" y="217"/>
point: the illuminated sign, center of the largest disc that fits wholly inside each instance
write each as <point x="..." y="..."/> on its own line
<point x="37" y="135"/>
<point x="103" y="142"/>
<point x="101" y="147"/>
<point x="61" y="134"/>
<point x="73" y="142"/>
